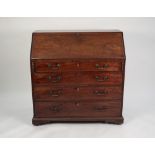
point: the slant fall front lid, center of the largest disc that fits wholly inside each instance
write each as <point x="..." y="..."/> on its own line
<point x="83" y="45"/>
<point x="77" y="76"/>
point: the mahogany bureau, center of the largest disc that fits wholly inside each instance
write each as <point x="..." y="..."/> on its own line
<point x="77" y="76"/>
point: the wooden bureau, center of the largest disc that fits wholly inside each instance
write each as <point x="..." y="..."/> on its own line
<point x="77" y="76"/>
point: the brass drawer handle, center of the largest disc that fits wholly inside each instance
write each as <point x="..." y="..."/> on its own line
<point x="102" y="67"/>
<point x="100" y="79"/>
<point x="56" y="79"/>
<point x="57" y="66"/>
<point x="55" y="93"/>
<point x="100" y="92"/>
<point x="56" y="108"/>
<point x="102" y="108"/>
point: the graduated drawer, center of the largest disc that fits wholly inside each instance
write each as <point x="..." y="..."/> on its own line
<point x="71" y="65"/>
<point x="47" y="93"/>
<point x="87" y="77"/>
<point x="78" y="109"/>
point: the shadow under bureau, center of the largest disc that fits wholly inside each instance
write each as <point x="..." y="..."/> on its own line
<point x="77" y="76"/>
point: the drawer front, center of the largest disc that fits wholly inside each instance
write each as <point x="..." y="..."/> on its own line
<point x="78" y="109"/>
<point x="47" y="93"/>
<point x="51" y="66"/>
<point x="67" y="78"/>
<point x="89" y="65"/>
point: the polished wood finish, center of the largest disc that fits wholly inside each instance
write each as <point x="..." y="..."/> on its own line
<point x="85" y="78"/>
<point x="48" y="93"/>
<point x="77" y="76"/>
<point x="78" y="109"/>
<point x="110" y="120"/>
<point x="76" y="65"/>
<point x="73" y="45"/>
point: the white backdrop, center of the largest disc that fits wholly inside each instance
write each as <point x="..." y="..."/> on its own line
<point x="15" y="82"/>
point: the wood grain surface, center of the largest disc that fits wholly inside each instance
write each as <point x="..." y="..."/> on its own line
<point x="77" y="76"/>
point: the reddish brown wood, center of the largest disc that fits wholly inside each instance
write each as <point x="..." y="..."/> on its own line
<point x="71" y="45"/>
<point x="44" y="120"/>
<point x="77" y="76"/>
<point x="47" y="93"/>
<point x="76" y="65"/>
<point x="78" y="109"/>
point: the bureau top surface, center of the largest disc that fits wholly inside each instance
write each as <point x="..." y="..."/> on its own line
<point x="77" y="45"/>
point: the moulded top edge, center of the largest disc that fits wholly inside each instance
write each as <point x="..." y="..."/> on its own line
<point x="114" y="58"/>
<point x="84" y="30"/>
